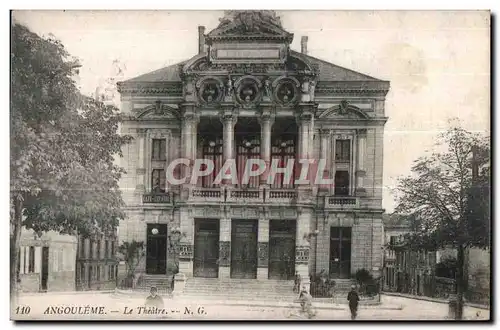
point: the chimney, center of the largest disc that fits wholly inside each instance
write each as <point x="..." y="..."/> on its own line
<point x="303" y="45"/>
<point x="201" y="39"/>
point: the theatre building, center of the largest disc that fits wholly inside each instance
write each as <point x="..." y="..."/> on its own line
<point x="247" y="95"/>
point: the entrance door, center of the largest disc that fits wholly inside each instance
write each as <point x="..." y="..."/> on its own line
<point x="282" y="249"/>
<point x="340" y="252"/>
<point x="45" y="268"/>
<point x="244" y="249"/>
<point x="206" y="248"/>
<point x="156" y="249"/>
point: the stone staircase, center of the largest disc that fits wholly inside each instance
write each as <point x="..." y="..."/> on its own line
<point x="161" y="282"/>
<point x="240" y="289"/>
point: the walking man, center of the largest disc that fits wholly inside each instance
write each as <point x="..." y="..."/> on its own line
<point x="305" y="300"/>
<point x="353" y="299"/>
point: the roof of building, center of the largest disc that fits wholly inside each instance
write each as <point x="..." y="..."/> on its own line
<point x="327" y="72"/>
<point x="395" y="220"/>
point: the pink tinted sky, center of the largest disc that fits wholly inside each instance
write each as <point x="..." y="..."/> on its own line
<point x="437" y="61"/>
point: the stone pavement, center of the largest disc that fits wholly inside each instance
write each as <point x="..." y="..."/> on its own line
<point x="109" y="306"/>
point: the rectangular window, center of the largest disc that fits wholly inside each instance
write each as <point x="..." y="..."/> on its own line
<point x="343" y="151"/>
<point x="393" y="240"/>
<point x="341" y="183"/>
<point x="158" y="181"/>
<point x="31" y="264"/>
<point x="112" y="249"/>
<point x="106" y="249"/>
<point x="159" y="149"/>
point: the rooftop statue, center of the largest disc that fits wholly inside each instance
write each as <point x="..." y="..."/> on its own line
<point x="249" y="19"/>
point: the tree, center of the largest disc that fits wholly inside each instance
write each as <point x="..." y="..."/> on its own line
<point x="449" y="206"/>
<point x="63" y="144"/>
<point x="131" y="253"/>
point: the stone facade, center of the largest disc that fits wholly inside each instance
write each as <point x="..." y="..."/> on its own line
<point x="247" y="80"/>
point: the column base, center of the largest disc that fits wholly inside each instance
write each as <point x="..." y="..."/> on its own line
<point x="262" y="273"/>
<point x="186" y="268"/>
<point x="224" y="272"/>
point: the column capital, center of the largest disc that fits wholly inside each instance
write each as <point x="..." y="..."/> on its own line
<point x="362" y="132"/>
<point x="325" y="132"/>
<point x="228" y="117"/>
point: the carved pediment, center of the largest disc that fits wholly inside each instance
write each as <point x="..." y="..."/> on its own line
<point x="249" y="23"/>
<point x="157" y="111"/>
<point x="344" y="111"/>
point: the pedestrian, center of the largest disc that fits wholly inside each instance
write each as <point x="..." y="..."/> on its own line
<point x="353" y="299"/>
<point x="154" y="300"/>
<point x="305" y="300"/>
<point x="296" y="283"/>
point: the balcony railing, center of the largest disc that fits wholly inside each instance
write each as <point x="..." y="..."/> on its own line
<point x="207" y="194"/>
<point x="281" y="195"/>
<point x="156" y="198"/>
<point x="244" y="195"/>
<point x="342" y="202"/>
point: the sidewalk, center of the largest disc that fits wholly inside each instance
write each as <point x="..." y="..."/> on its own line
<point x="431" y="299"/>
<point x="257" y="303"/>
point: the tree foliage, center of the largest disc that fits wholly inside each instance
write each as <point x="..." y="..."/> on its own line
<point x="445" y="208"/>
<point x="63" y="144"/>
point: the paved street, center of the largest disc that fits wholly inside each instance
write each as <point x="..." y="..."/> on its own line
<point x="88" y="306"/>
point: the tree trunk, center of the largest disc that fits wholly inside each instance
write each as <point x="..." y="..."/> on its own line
<point x="15" y="245"/>
<point x="460" y="282"/>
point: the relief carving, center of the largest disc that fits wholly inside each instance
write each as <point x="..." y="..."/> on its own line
<point x="224" y="254"/>
<point x="263" y="255"/>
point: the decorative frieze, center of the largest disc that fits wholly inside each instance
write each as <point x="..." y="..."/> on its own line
<point x="263" y="255"/>
<point x="206" y="212"/>
<point x="245" y="213"/>
<point x="224" y="254"/>
<point x="283" y="213"/>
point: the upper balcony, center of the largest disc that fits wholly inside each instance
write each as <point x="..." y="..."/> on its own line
<point x="238" y="195"/>
<point x="341" y="202"/>
<point x="243" y="195"/>
<point x="157" y="198"/>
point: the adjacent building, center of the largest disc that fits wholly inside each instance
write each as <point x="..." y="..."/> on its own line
<point x="47" y="262"/>
<point x="96" y="263"/>
<point x="247" y="95"/>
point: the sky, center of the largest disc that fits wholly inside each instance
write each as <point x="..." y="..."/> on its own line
<point x="438" y="62"/>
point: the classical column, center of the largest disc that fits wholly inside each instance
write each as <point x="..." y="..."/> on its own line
<point x="325" y="155"/>
<point x="303" y="153"/>
<point x="266" y="123"/>
<point x="304" y="122"/>
<point x="263" y="248"/>
<point x="186" y="152"/>
<point x="360" y="171"/>
<point x="228" y="120"/>
<point x="194" y="137"/>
